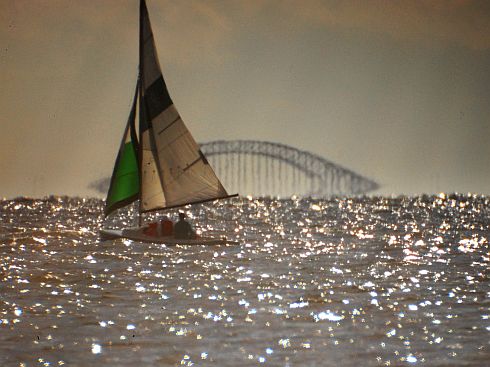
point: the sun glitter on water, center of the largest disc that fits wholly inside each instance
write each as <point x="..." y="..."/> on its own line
<point x="377" y="281"/>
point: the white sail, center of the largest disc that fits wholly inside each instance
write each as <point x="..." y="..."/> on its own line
<point x="174" y="171"/>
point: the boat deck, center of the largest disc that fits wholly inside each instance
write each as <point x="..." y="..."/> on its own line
<point x="137" y="235"/>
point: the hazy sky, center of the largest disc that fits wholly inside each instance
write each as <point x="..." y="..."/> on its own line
<point x="398" y="91"/>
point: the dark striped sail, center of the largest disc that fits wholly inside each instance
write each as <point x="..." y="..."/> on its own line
<point x="174" y="171"/>
<point x="125" y="184"/>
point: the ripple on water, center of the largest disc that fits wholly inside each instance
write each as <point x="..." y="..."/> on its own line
<point x="377" y="281"/>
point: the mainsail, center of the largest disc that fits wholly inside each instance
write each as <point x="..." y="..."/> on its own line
<point x="172" y="169"/>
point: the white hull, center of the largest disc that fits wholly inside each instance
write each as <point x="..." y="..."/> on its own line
<point x="136" y="234"/>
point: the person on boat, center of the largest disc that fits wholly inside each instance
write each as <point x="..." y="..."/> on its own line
<point x="182" y="229"/>
<point x="151" y="229"/>
<point x="166" y="227"/>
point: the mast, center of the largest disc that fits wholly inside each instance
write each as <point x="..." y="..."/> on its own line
<point x="139" y="93"/>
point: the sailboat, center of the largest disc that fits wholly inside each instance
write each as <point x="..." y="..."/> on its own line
<point x="159" y="164"/>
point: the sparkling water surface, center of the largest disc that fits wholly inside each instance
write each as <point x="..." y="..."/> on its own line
<point x="341" y="282"/>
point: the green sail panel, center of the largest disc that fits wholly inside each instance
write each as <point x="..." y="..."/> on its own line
<point x="125" y="181"/>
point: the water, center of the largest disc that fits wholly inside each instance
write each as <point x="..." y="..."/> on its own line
<point x="346" y="282"/>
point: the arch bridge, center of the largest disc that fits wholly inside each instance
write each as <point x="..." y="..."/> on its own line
<point x="262" y="168"/>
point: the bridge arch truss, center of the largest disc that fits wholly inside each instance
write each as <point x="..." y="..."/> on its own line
<point x="263" y="168"/>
